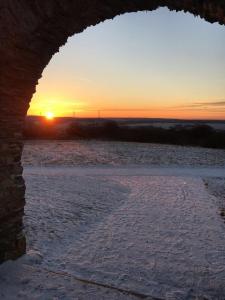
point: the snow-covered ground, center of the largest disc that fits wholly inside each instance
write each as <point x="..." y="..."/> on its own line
<point x="120" y="221"/>
<point x="92" y="153"/>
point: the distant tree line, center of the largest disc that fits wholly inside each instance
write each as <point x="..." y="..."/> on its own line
<point x="198" y="135"/>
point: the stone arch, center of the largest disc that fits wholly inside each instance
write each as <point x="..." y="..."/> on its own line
<point x="31" y="33"/>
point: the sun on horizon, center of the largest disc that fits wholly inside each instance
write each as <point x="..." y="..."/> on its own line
<point x="49" y="115"/>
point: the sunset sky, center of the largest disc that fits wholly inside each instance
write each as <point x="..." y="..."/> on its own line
<point x="148" y="64"/>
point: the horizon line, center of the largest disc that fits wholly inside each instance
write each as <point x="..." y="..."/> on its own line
<point x="147" y="118"/>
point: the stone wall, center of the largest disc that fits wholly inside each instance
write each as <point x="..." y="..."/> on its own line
<point x="31" y="32"/>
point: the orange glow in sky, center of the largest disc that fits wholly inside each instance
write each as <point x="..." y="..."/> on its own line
<point x="159" y="64"/>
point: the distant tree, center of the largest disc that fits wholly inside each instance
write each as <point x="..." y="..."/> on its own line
<point x="110" y="129"/>
<point x="201" y="131"/>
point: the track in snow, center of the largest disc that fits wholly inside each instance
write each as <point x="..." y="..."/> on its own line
<point x="138" y="230"/>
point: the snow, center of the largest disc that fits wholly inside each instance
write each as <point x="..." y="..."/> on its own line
<point x="92" y="153"/>
<point x="216" y="187"/>
<point x="120" y="230"/>
<point x="130" y="171"/>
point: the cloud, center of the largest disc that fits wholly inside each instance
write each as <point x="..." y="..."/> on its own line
<point x="212" y="103"/>
<point x="216" y="105"/>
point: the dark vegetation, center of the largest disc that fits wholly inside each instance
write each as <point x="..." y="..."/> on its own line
<point x="197" y="135"/>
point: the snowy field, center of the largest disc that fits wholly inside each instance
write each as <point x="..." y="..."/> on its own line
<point x="95" y="153"/>
<point x="107" y="220"/>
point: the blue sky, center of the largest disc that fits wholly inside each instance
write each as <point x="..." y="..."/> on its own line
<point x="151" y="64"/>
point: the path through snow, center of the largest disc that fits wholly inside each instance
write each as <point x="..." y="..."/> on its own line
<point x="147" y="234"/>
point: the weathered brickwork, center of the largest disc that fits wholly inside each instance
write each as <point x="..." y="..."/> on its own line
<point x="30" y="33"/>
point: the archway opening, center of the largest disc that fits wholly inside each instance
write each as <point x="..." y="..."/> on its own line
<point x="156" y="64"/>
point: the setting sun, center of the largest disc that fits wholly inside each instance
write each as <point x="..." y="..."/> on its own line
<point x="49" y="115"/>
